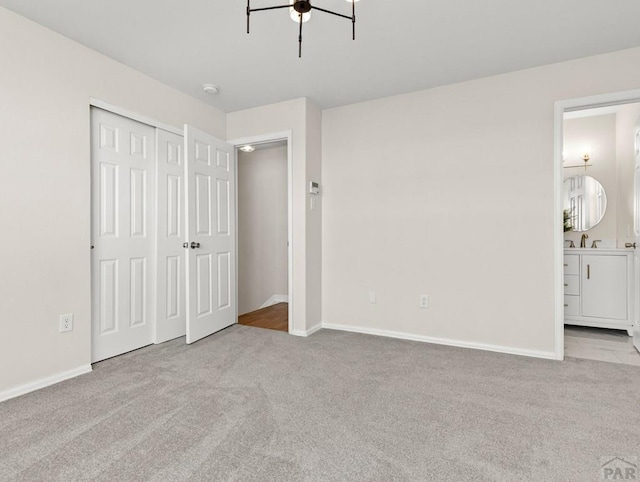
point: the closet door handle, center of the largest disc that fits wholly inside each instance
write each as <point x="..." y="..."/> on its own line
<point x="194" y="245"/>
<point x="588" y="271"/>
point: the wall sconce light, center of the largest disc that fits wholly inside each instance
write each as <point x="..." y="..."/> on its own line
<point x="570" y="161"/>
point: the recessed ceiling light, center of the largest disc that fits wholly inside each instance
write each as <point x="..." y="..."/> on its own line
<point x="247" y="148"/>
<point x="210" y="89"/>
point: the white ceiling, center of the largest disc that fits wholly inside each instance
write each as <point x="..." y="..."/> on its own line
<point x="402" y="46"/>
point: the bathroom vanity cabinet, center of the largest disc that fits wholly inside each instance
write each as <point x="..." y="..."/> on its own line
<point x="598" y="288"/>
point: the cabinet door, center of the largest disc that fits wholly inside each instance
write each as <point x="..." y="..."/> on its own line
<point x="604" y="286"/>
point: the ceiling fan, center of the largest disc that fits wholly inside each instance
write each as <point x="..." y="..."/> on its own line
<point x="300" y="11"/>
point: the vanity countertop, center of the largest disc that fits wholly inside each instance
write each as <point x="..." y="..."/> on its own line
<point x="597" y="250"/>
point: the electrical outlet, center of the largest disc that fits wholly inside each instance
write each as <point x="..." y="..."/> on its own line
<point x="424" y="301"/>
<point x="372" y="297"/>
<point x="66" y="323"/>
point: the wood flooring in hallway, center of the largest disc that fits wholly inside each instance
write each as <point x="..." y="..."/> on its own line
<point x="274" y="317"/>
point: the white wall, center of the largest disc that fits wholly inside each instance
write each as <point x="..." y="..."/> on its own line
<point x="46" y="81"/>
<point x="450" y="192"/>
<point x="314" y="217"/>
<point x="626" y="119"/>
<point x="262" y="227"/>
<point x="302" y="118"/>
<point x="599" y="134"/>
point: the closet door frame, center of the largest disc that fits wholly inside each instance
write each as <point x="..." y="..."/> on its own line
<point x="133" y="116"/>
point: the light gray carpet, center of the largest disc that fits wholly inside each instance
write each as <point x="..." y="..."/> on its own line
<point x="253" y="404"/>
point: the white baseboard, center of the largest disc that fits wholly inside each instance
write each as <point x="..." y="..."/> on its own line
<point x="308" y="332"/>
<point x="313" y="329"/>
<point x="549" y="355"/>
<point x="275" y="299"/>
<point x="44" y="382"/>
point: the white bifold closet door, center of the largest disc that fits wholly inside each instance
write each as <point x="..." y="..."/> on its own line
<point x="171" y="256"/>
<point x="123" y="232"/>
<point x="163" y="235"/>
<point x="211" y="268"/>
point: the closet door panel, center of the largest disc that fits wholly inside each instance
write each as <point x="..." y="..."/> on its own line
<point x="211" y="264"/>
<point x="171" y="305"/>
<point x="122" y="233"/>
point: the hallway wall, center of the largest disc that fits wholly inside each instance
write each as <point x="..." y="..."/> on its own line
<point x="262" y="227"/>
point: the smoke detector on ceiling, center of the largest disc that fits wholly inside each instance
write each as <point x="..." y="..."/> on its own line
<point x="210" y="89"/>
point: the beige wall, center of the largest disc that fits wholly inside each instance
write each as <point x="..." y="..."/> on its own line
<point x="262" y="227"/>
<point x="599" y="134"/>
<point x="314" y="217"/>
<point x="626" y="119"/>
<point x="300" y="117"/>
<point x="46" y="81"/>
<point x="450" y="192"/>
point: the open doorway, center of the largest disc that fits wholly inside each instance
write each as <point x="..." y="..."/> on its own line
<point x="263" y="232"/>
<point x="600" y="158"/>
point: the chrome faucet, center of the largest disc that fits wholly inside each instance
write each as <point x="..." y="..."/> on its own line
<point x="583" y="240"/>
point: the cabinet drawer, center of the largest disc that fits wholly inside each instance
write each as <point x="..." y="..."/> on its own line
<point x="571" y="285"/>
<point x="572" y="264"/>
<point x="571" y="305"/>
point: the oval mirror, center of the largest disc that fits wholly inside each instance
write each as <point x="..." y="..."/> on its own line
<point x="585" y="202"/>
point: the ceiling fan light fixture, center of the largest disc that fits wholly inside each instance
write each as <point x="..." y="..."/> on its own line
<point x="300" y="12"/>
<point x="295" y="16"/>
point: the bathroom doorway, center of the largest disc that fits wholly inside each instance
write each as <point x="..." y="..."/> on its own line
<point x="600" y="155"/>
